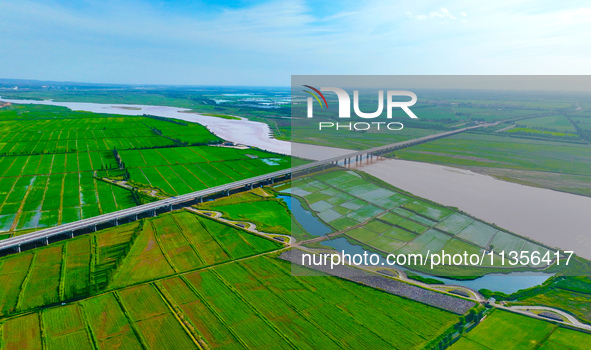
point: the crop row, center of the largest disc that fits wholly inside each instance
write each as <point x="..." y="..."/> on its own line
<point x="55" y="163"/>
<point x="254" y="303"/>
<point x="28" y="202"/>
<point x="95" y="134"/>
<point x="186" y="178"/>
<point x="162" y="246"/>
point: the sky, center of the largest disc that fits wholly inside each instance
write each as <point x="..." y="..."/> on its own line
<point x="262" y="43"/>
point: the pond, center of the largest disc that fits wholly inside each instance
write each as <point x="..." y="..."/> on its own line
<point x="309" y="222"/>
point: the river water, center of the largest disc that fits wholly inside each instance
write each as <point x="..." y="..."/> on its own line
<point x="554" y="218"/>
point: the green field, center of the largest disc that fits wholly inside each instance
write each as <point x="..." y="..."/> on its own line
<point x="120" y="256"/>
<point x="254" y="303"/>
<point x="537" y="132"/>
<point x="179" y="280"/>
<point x="555" y="123"/>
<point x="33" y="201"/>
<point x="49" y="156"/>
<point x="38" y="129"/>
<point x="387" y="220"/>
<point x="567" y="293"/>
<point x="503" y="152"/>
<point x="268" y="213"/>
<point x="182" y="170"/>
<point x="505" y="330"/>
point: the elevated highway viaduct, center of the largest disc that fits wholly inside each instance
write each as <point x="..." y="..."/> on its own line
<point x="152" y="209"/>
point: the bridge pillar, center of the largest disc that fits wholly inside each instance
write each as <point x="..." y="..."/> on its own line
<point x="71" y="233"/>
<point x="18" y="248"/>
<point x="272" y="181"/>
<point x="46" y="241"/>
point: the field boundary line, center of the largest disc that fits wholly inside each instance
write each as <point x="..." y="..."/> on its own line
<point x="195" y="176"/>
<point x="305" y="317"/>
<point x="94" y="252"/>
<point x="25" y="282"/>
<point x="175" y="310"/>
<point x="204" y="171"/>
<point x="44" y="193"/>
<point x="165" y="180"/>
<point x="205" y="159"/>
<point x="19" y="212"/>
<point x="253" y="308"/>
<point x="240" y="164"/>
<point x="96" y="193"/>
<point x="546" y="337"/>
<point x="214" y="238"/>
<point x="213" y="311"/>
<point x="132" y="324"/>
<point x="143" y="158"/>
<point x="180" y="177"/>
<point x="474" y="341"/>
<point x="42" y="332"/>
<point x="275" y="262"/>
<point x="62" y="281"/>
<point x="190" y="241"/>
<point x="9" y="166"/>
<point x="60" y="216"/>
<point x="89" y="331"/>
<point x="162" y="250"/>
<point x="216" y="168"/>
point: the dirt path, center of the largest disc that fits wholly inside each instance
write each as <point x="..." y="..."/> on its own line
<point x="507" y="128"/>
<point x="122" y="183"/>
<point x="248" y="226"/>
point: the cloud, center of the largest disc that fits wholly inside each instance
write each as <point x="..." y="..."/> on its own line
<point x="135" y="41"/>
<point x="443" y="13"/>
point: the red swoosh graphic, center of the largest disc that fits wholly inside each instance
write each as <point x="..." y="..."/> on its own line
<point x="319" y="93"/>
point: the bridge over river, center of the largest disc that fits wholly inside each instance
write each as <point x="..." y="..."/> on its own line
<point x="152" y="209"/>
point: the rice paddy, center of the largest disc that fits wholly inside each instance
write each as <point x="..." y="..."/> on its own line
<point x="392" y="222"/>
